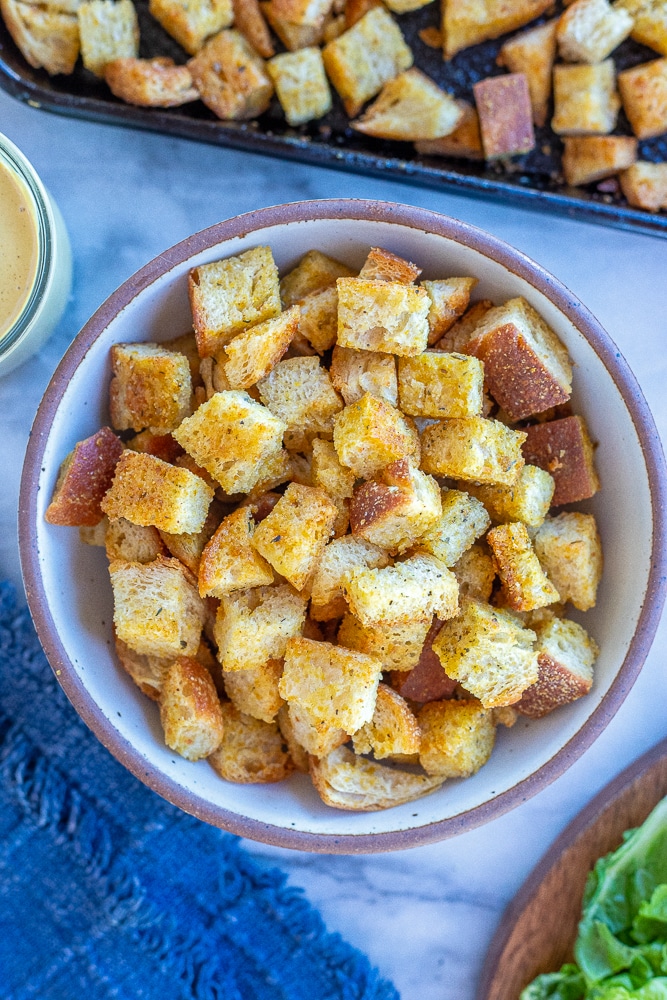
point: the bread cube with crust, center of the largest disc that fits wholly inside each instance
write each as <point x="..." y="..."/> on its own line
<point x="345" y="781"/>
<point x="231" y="436"/>
<point x="564" y="449"/>
<point x="337" y="482"/>
<point x="593" y="157"/>
<point x="383" y="265"/>
<point x="231" y="77"/>
<point x="645" y="185"/>
<point x="252" y="751"/>
<point x="338" y="559"/>
<point x="157" y="609"/>
<point x="150" y="388"/>
<point x="317" y="738"/>
<point x="147" y="672"/>
<point x="229" y="562"/>
<point x="465" y="142"/>
<point x="525" y="586"/>
<point x="475" y="573"/>
<point x="441" y="385"/>
<point x="393" y="728"/>
<point x="449" y="300"/>
<point x="589" y="30"/>
<point x="163" y="446"/>
<point x="364" y="58"/>
<point x="466" y="24"/>
<point x="83" y="480"/>
<point x="569" y="549"/>
<point x="250" y="21"/>
<point x="585" y="99"/>
<point x="293" y="536"/>
<point x="565" y="656"/>
<point x="398" y="647"/>
<point x="396" y="509"/>
<point x="253" y="626"/>
<point x="413" y="590"/>
<point x="46" y="37"/>
<point x="505" y="115"/>
<point x="386" y="316"/>
<point x="227" y="296"/>
<point x="108" y="29"/>
<point x="473" y="448"/>
<point x="489" y="653"/>
<point x="250" y="355"/>
<point x="644" y="95"/>
<point x="133" y="542"/>
<point x="255" y="692"/>
<point x="463" y="520"/>
<point x="293" y="36"/>
<point x="354" y="373"/>
<point x="303" y="12"/>
<point x="299" y="392"/>
<point x="145" y="490"/>
<point x="528" y="500"/>
<point x="190" y="710"/>
<point x="296" y="751"/>
<point x="318" y="322"/>
<point x="301" y="84"/>
<point x="371" y="434"/>
<point x="457" y="737"/>
<point x="456" y="339"/>
<point x="426" y="680"/>
<point x="409" y="108"/>
<point x="191" y="22"/>
<point x="649" y="22"/>
<point x="533" y="53"/>
<point x="150" y="83"/>
<point x="313" y="272"/>
<point x="526" y="367"/>
<point x="189" y="546"/>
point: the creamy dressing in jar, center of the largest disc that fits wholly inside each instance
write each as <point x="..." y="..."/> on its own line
<point x="19" y="247"/>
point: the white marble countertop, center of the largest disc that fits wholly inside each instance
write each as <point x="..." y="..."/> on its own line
<point x="425" y="916"/>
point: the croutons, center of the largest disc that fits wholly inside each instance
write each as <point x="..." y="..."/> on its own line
<point x="568" y="547"/>
<point x="313" y="272"/>
<point x="409" y="108"/>
<point x="83" y="480"/>
<point x="251" y="355"/>
<point x="398" y="647"/>
<point x="649" y="22"/>
<point x="457" y="338"/>
<point x="108" y="29"/>
<point x="150" y="388"/>
<point x="251" y="752"/>
<point x="645" y="185"/>
<point x="594" y="157"/>
<point x="303" y="12"/>
<point x="585" y="99"/>
<point x="449" y="300"/>
<point x="475" y="573"/>
<point x="318" y="322"/>
<point x="441" y="385"/>
<point x="385" y="316"/>
<point x="150" y="83"/>
<point x="505" y="115"/>
<point x="463" y="520"/>
<point x="457" y="737"/>
<point x="255" y="692"/>
<point x="345" y="781"/>
<point x="354" y="373"/>
<point x="188" y="546"/>
<point x="426" y="680"/>
<point x="525" y="586"/>
<point x="132" y="542"/>
<point x="383" y="265"/>
<point x="301" y="84"/>
<point x="229" y="562"/>
<point x="644" y="94"/>
<point x="566" y="654"/>
<point x="249" y="20"/>
<point x="484" y="451"/>
<point x="293" y="36"/>
<point x="465" y="142"/>
<point x="338" y="559"/>
<point x="409" y="591"/>
<point x="395" y="510"/>
<point x="528" y="500"/>
<point x="589" y="30"/>
<point x="392" y="730"/>
<point x="533" y="53"/>
<point x="147" y="672"/>
<point x="466" y="24"/>
<point x="46" y="38"/>
<point x="370" y="434"/>
<point x="253" y="626"/>
<point x="231" y="78"/>
<point x="564" y="449"/>
<point x="299" y="392"/>
<point x="191" y="22"/>
<point x="190" y="710"/>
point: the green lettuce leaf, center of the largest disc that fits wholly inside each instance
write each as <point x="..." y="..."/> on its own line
<point x="651" y="921"/>
<point x="568" y="984"/>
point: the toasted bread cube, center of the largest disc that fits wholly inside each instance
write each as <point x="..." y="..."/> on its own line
<point x="191" y="22"/>
<point x="317" y="738"/>
<point x="253" y="626"/>
<point x="475" y="573"/>
<point x="251" y="355"/>
<point x="441" y="385"/>
<point x="649" y="22"/>
<point x="593" y="157"/>
<point x="255" y="692"/>
<point x="157" y="610"/>
<point x="488" y="652"/>
<point x="150" y="388"/>
<point x="409" y="108"/>
<point x="299" y="392"/>
<point x="525" y="586"/>
<point x="370" y="434"/>
<point x="398" y="647"/>
<point x="568" y="547"/>
<point x="163" y="446"/>
<point x="46" y="38"/>
<point x="528" y="500"/>
<point x="293" y="536"/>
<point x="354" y="373"/>
<point x="94" y="534"/>
<point x="108" y="29"/>
<point x="293" y="36"/>
<point x="150" y="83"/>
<point x="383" y="265"/>
<point x="386" y="316"/>
<point x="318" y="322"/>
<point x="407" y="6"/>
<point x="533" y="53"/>
<point x="645" y="185"/>
<point x="146" y="490"/>
<point x="459" y="335"/>
<point x="526" y="367"/>
<point x="252" y="751"/>
<point x="345" y="781"/>
<point x="313" y="272"/>
<point x="338" y="559"/>
<point x="475" y="448"/>
<point x="466" y="24"/>
<point x="231" y="436"/>
<point x="133" y="542"/>
<point x="457" y="737"/>
<point x="505" y="115"/>
<point x="410" y="591"/>
<point x="231" y="78"/>
<point x="328" y="474"/>
<point x="301" y="84"/>
<point x="332" y="687"/>
<point x="275" y="470"/>
<point x="585" y="99"/>
<point x="298" y="754"/>
<point x="644" y="94"/>
<point x="250" y="21"/>
<point x="229" y="562"/>
<point x="190" y="710"/>
<point x="365" y="57"/>
<point x="230" y="295"/>
<point x="393" y="728"/>
<point x="395" y="510"/>
<point x="465" y="142"/>
<point x="83" y="480"/>
<point x="426" y="680"/>
<point x="590" y="30"/>
<point x="564" y="449"/>
<point x="303" y="12"/>
<point x="566" y="654"/>
<point x="147" y="672"/>
<point x="189" y="546"/>
<point x="449" y="300"/>
<point x="463" y="520"/>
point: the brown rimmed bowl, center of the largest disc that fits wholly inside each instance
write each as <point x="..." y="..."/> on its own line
<point x="70" y="598"/>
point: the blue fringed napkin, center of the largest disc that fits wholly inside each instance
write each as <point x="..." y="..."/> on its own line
<point x="107" y="891"/>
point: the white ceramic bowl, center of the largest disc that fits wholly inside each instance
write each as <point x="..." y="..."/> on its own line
<point x="67" y="583"/>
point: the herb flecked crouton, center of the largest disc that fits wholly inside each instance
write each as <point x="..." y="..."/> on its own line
<point x="255" y="692"/>
<point x="475" y="573"/>
<point x="410" y="591"/>
<point x="466" y="24"/>
<point x="252" y="751"/>
<point x="409" y="108"/>
<point x="191" y="22"/>
<point x="337" y="560"/>
<point x="568" y="547"/>
<point x="449" y="300"/>
<point x="231" y="77"/>
<point x="564" y="449"/>
<point x="345" y="781"/>
<point x="301" y="84"/>
<point x="392" y="730"/>
<point x="565" y="656"/>
<point x="398" y="647"/>
<point x="354" y="373"/>
<point x="251" y="355"/>
<point x="386" y="316"/>
<point x="473" y="448"/>
<point x="190" y="710"/>
<point x="83" y="480"/>
<point x="150" y="83"/>
<point x="253" y="626"/>
<point x="150" y="388"/>
<point x="528" y="500"/>
<point x="589" y="30"/>
<point x="299" y="392"/>
<point x="525" y="585"/>
<point x="457" y="737"/>
<point x="314" y="271"/>
<point x="396" y="509"/>
<point x="229" y="562"/>
<point x="133" y="542"/>
<point x="441" y="385"/>
<point x="108" y="29"/>
<point x="371" y="434"/>
<point x="462" y="521"/>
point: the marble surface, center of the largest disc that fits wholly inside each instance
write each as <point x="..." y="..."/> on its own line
<point x="424" y="916"/>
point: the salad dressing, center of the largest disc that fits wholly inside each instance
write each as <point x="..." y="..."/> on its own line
<point x="19" y="247"/>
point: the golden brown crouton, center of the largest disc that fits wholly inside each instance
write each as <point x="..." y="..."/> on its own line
<point x="644" y="94"/>
<point x="318" y="322"/>
<point x="231" y="77"/>
<point x="147" y="672"/>
<point x="370" y="434"/>
<point x="83" y="480"/>
<point x="484" y="451"/>
<point x="229" y="562"/>
<point x="296" y="751"/>
<point x="318" y="738"/>
<point x="345" y="781"/>
<point x="568" y="547"/>
<point x="108" y="29"/>
<point x="585" y="99"/>
<point x="525" y="586"/>
<point x="249" y="20"/>
<point x="398" y="647"/>
<point x="133" y="542"/>
<point x="475" y="573"/>
<point x="293" y="36"/>
<point x="255" y="692"/>
<point x="566" y="654"/>
<point x="532" y="53"/>
<point x="94" y="534"/>
<point x="191" y="22"/>
<point x="150" y="388"/>
<point x="190" y="710"/>
<point x="397" y="508"/>
<point x="146" y="490"/>
<point x="385" y="316"/>
<point x="150" y="83"/>
<point x="590" y="30"/>
<point x="457" y="337"/>
<point x="383" y="265"/>
<point x="157" y="610"/>
<point x="410" y="591"/>
<point x="46" y="38"/>
<point x="189" y="546"/>
<point x="299" y="392"/>
<point x="163" y="446"/>
<point x="505" y="115"/>
<point x="252" y="751"/>
<point x="409" y="108"/>
<point x="466" y="24"/>
<point x="313" y="272"/>
<point x="441" y="385"/>
<point x="645" y="185"/>
<point x="338" y="559"/>
<point x="354" y="373"/>
<point x="564" y="449"/>
<point x="449" y="300"/>
<point x="463" y="520"/>
<point x="253" y="626"/>
<point x="328" y="474"/>
<point x="457" y="737"/>
<point x="393" y="728"/>
<point x="592" y="157"/>
<point x="252" y="354"/>
<point x="365" y="57"/>
<point x="528" y="500"/>
<point x="465" y="142"/>
<point x="649" y="22"/>
<point x="301" y="84"/>
<point x="355" y="10"/>
<point x="303" y="12"/>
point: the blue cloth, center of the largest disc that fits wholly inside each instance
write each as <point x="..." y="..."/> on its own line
<point x="107" y="891"/>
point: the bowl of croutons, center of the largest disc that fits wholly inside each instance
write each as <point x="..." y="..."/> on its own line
<point x="342" y="526"/>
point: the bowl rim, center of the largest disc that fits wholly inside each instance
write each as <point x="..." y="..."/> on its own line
<point x="520" y="265"/>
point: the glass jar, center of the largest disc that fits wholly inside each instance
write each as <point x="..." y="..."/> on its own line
<point x="35" y="259"/>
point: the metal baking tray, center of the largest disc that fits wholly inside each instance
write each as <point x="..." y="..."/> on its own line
<point x="532" y="181"/>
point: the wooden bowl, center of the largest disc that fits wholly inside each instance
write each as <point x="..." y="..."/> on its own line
<point x="538" y="930"/>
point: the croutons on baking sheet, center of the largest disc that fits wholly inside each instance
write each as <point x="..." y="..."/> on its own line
<point x="253" y="626"/>
<point x="303" y="12"/>
<point x="190" y="710"/>
<point x="231" y="77"/>
<point x="415" y="589"/>
<point x="593" y="157"/>
<point x="301" y="84"/>
<point x="649" y="22"/>
<point x="440" y="385"/>
<point x="586" y="101"/>
<point x="150" y="83"/>
<point x="465" y="24"/>
<point x="46" y="37"/>
<point x="409" y="108"/>
<point x="191" y="22"/>
<point x="83" y="480"/>
<point x="386" y="316"/>
<point x="354" y="373"/>
<point x="565" y="658"/>
<point x="457" y="737"/>
<point x="465" y="142"/>
<point x="645" y="185"/>
<point x="250" y="21"/>
<point x="564" y="449"/>
<point x="644" y="94"/>
<point x="371" y="434"/>
<point x="150" y="388"/>
<point x="568" y="547"/>
<point x="108" y="29"/>
<point x="505" y="115"/>
<point x="346" y="781"/>
<point x="251" y="751"/>
<point x="525" y="585"/>
<point x="394" y="510"/>
<point x="589" y="30"/>
<point x="484" y="451"/>
<point x="532" y="53"/>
